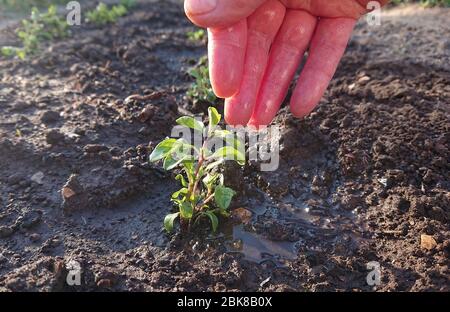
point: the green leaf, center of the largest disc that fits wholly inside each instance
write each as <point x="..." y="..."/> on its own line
<point x="180" y="178"/>
<point x="186" y="210"/>
<point x="213" y="218"/>
<point x="169" y="220"/>
<point x="224" y="213"/>
<point x="214" y="118"/>
<point x="181" y="148"/>
<point x="170" y="162"/>
<point x="189" y="169"/>
<point x="230" y="153"/>
<point x="223" y="196"/>
<point x="190" y="122"/>
<point x="214" y="164"/>
<point x="177" y="194"/>
<point x="162" y="149"/>
<point x="230" y="138"/>
<point x="209" y="180"/>
<point x="222" y="133"/>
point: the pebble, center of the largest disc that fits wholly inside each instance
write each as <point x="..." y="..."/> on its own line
<point x="37" y="177"/>
<point x="95" y="148"/>
<point x="49" y="117"/>
<point x="427" y="242"/>
<point x="35" y="237"/>
<point x="54" y="137"/>
<point x="6" y="231"/>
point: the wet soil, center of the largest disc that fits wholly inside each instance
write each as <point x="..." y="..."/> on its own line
<point x="361" y="179"/>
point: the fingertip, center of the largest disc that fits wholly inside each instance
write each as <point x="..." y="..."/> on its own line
<point x="224" y="84"/>
<point x="197" y="11"/>
<point x="226" y="51"/>
<point x="219" y="13"/>
<point x="300" y="110"/>
<point x="234" y="114"/>
<point x="257" y="121"/>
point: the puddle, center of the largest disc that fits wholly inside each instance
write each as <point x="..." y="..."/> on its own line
<point x="258" y="249"/>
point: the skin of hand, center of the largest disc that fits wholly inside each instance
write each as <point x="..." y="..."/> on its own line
<point x="256" y="46"/>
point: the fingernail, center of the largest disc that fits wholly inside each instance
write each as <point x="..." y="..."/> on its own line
<point x="196" y="7"/>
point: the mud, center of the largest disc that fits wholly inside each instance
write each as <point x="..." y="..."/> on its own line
<point x="360" y="179"/>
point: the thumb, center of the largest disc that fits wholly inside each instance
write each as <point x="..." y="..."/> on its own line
<point x="219" y="13"/>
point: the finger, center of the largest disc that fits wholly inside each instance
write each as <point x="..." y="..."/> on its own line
<point x="287" y="52"/>
<point x="263" y="25"/>
<point x="327" y="47"/>
<point x="219" y="13"/>
<point x="226" y="55"/>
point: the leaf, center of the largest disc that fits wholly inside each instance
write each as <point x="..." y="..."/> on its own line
<point x="169" y="220"/>
<point x="162" y="149"/>
<point x="170" y="162"/>
<point x="230" y="153"/>
<point x="214" y="118"/>
<point x="189" y="169"/>
<point x="213" y="218"/>
<point x="209" y="180"/>
<point x="214" y="164"/>
<point x="186" y="210"/>
<point x="222" y="133"/>
<point x="180" y="178"/>
<point x="223" y="196"/>
<point x="190" y="122"/>
<point x="177" y="194"/>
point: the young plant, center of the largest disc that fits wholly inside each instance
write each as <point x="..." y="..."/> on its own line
<point x="103" y="15"/>
<point x="201" y="89"/>
<point x="40" y="27"/>
<point x="198" y="35"/>
<point x="203" y="193"/>
<point x="26" y="4"/>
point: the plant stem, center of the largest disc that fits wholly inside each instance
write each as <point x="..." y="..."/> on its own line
<point x="193" y="187"/>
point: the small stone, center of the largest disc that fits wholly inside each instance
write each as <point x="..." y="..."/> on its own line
<point x="147" y="113"/>
<point x="6" y="231"/>
<point x="351" y="202"/>
<point x="35" y="237"/>
<point x="427" y="242"/>
<point x="15" y="179"/>
<point x="242" y="215"/>
<point x="363" y="79"/>
<point x="95" y="148"/>
<point x="48" y="117"/>
<point x="29" y="219"/>
<point x="67" y="192"/>
<point x="37" y="177"/>
<point x="73" y="194"/>
<point x="54" y="137"/>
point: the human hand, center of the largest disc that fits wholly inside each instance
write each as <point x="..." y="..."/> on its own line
<point x="256" y="46"/>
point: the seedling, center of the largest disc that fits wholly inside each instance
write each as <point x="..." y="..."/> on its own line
<point x="25" y="4"/>
<point x="198" y="35"/>
<point x="203" y="193"/>
<point x="103" y="14"/>
<point x="40" y="27"/>
<point x="201" y="90"/>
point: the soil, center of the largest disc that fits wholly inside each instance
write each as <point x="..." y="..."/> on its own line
<point x="363" y="178"/>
